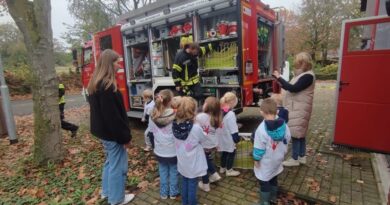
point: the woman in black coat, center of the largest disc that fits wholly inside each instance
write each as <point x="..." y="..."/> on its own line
<point x="110" y="124"/>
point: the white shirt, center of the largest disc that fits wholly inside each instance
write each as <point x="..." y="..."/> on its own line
<point x="211" y="140"/>
<point x="148" y="108"/>
<point x="191" y="160"/>
<point x="229" y="127"/>
<point x="148" y="111"/>
<point x="271" y="162"/>
<point x="164" y="142"/>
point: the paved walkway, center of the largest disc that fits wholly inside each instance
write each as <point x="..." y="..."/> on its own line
<point x="332" y="175"/>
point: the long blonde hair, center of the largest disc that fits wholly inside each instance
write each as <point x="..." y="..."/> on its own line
<point x="213" y="108"/>
<point x="104" y="74"/>
<point x="186" y="110"/>
<point x="162" y="102"/>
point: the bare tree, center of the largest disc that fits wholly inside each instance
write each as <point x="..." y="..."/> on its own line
<point x="33" y="19"/>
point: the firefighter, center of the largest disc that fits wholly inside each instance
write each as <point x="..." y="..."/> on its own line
<point x="64" y="124"/>
<point x="185" y="68"/>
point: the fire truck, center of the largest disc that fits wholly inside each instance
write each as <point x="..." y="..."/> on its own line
<point x="248" y="37"/>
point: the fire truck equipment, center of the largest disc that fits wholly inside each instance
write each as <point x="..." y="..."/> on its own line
<point x="229" y="80"/>
<point x="222" y="57"/>
<point x="164" y="33"/>
<point x="232" y="28"/>
<point x="141" y="38"/>
<point x="187" y="27"/>
<point x="176" y="30"/>
<point x="212" y="33"/>
<point x="222" y="28"/>
<point x="210" y="80"/>
<point x="249" y="67"/>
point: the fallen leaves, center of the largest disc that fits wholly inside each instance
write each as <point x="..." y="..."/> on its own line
<point x="143" y="185"/>
<point x="77" y="178"/>
<point x="81" y="173"/>
<point x="347" y="157"/>
<point x="333" y="199"/>
<point x="313" y="184"/>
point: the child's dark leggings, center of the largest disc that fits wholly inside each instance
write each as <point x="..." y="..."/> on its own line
<point x="266" y="186"/>
<point x="227" y="159"/>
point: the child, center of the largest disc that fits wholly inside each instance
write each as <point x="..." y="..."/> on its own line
<point x="191" y="160"/>
<point x="210" y="121"/>
<point x="161" y="127"/>
<point x="229" y="138"/>
<point x="147" y="96"/>
<point x="282" y="112"/>
<point x="175" y="102"/>
<point x="270" y="146"/>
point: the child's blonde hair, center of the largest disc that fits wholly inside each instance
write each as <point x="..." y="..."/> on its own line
<point x="303" y="61"/>
<point x="268" y="106"/>
<point x="230" y="99"/>
<point x="147" y="93"/>
<point x="162" y="102"/>
<point x="278" y="99"/>
<point x="186" y="110"/>
<point x="175" y="102"/>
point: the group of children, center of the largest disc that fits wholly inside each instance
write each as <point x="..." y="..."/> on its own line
<point x="184" y="141"/>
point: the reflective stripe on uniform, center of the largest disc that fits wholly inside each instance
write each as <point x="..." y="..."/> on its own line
<point x="192" y="81"/>
<point x="186" y="73"/>
<point x="62" y="100"/>
<point x="203" y="49"/>
<point x="177" y="67"/>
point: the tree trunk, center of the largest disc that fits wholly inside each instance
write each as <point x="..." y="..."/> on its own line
<point x="34" y="20"/>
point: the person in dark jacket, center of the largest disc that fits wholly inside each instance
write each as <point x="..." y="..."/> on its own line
<point x="185" y="70"/>
<point x="110" y="124"/>
<point x="61" y="104"/>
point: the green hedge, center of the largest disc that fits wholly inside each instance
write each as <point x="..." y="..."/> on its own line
<point x="321" y="76"/>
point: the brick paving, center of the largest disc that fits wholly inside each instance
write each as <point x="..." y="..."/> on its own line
<point x="337" y="176"/>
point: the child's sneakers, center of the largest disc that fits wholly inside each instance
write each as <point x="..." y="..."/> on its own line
<point x="302" y="160"/>
<point x="148" y="149"/>
<point x="164" y="197"/>
<point x="291" y="163"/>
<point x="128" y="198"/>
<point x="232" y="173"/>
<point x="222" y="170"/>
<point x="214" y="177"/>
<point x="204" y="187"/>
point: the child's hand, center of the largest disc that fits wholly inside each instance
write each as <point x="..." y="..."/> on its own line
<point x="143" y="120"/>
<point x="257" y="164"/>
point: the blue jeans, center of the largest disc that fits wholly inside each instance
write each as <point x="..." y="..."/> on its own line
<point x="189" y="187"/>
<point x="265" y="186"/>
<point x="298" y="147"/>
<point x="114" y="172"/>
<point x="169" y="182"/>
<point x="227" y="159"/>
<point x="210" y="168"/>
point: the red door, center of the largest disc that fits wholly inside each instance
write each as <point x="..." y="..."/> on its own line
<point x="363" y="103"/>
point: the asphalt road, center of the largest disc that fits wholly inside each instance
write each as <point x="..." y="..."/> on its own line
<point x="25" y="107"/>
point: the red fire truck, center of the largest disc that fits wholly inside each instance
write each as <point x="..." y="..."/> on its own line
<point x="363" y="100"/>
<point x="249" y="35"/>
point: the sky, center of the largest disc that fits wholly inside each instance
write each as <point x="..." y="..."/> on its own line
<point x="61" y="15"/>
